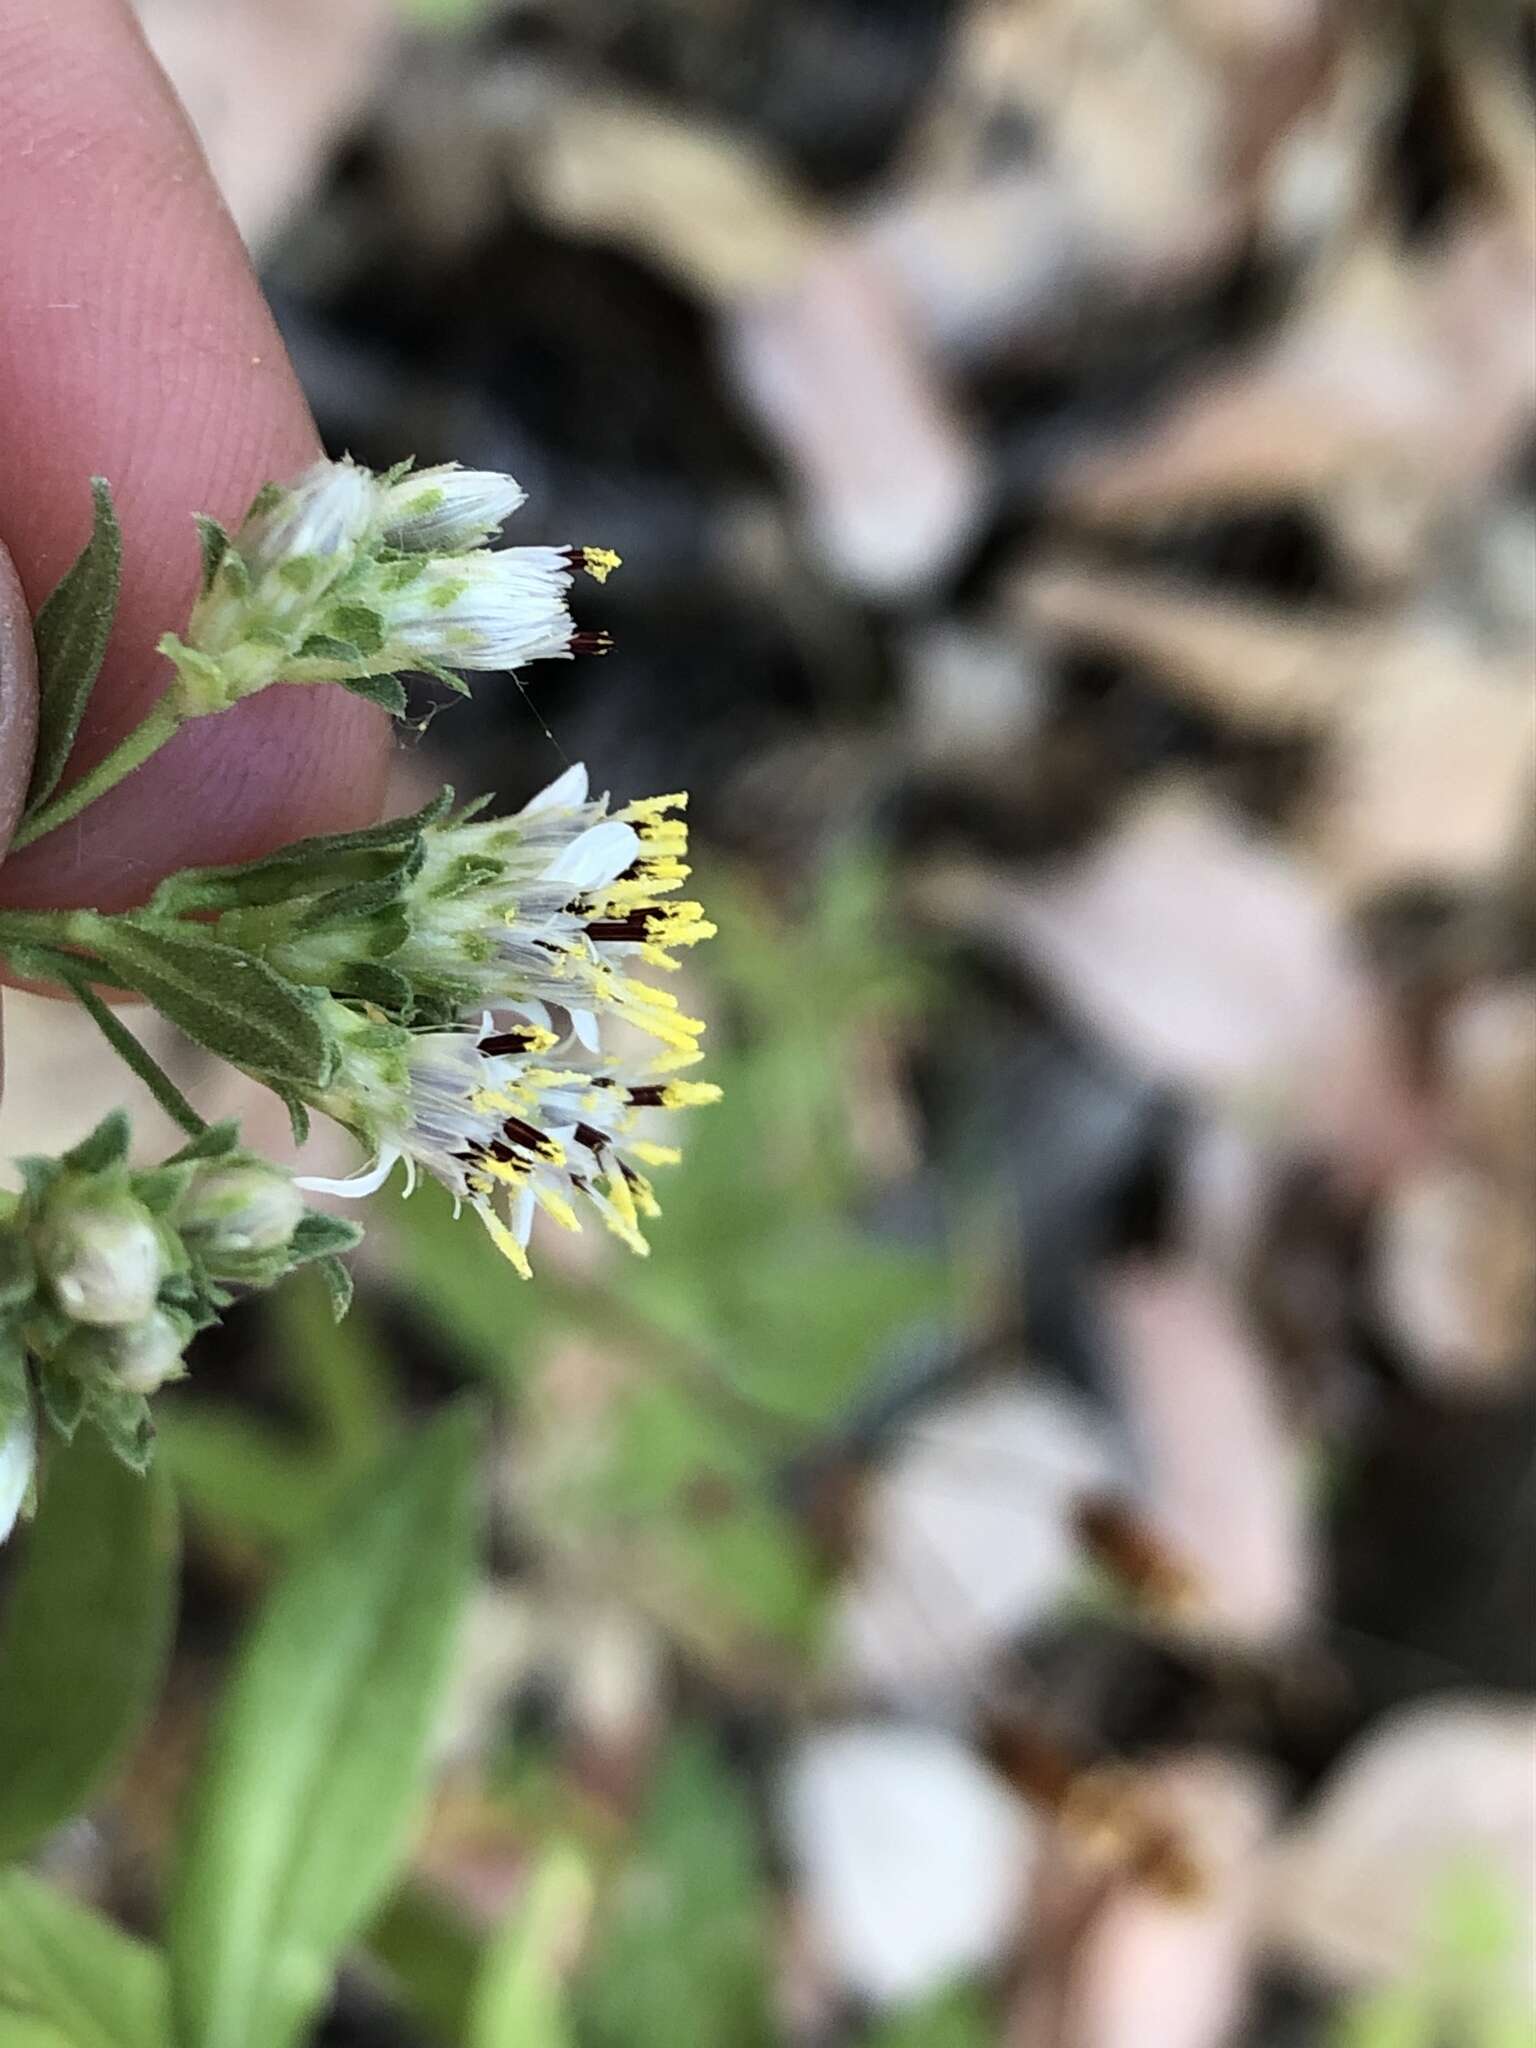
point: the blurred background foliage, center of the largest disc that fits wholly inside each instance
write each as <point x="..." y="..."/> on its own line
<point x="1042" y="1554"/>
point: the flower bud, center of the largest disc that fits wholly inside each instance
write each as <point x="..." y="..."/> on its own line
<point x="320" y="521"/>
<point x="18" y="1460"/>
<point x="104" y="1260"/>
<point x="244" y="1207"/>
<point x="482" y="611"/>
<point x="145" y="1355"/>
<point x="444" y="510"/>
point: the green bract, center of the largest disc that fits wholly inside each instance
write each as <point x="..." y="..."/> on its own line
<point x="109" y="1272"/>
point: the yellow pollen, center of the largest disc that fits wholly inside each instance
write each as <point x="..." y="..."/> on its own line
<point x="653" y="806"/>
<point x="655" y="1155"/>
<point x="689" y="1094"/>
<point x="554" y="1204"/>
<point x="504" y="1241"/>
<point x="600" y="563"/>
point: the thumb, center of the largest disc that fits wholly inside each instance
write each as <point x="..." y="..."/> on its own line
<point x="18" y="700"/>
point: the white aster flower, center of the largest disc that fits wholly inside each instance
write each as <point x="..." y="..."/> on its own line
<point x="445" y="509"/>
<point x="103" y="1259"/>
<point x="320" y="521"/>
<point x="245" y="1207"/>
<point x="483" y="611"/>
<point x="345" y="577"/>
<point x="145" y="1355"/>
<point x="512" y="1121"/>
<point x="559" y="904"/>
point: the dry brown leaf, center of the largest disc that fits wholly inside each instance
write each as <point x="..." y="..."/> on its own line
<point x="894" y="485"/>
<point x="1454" y="1275"/>
<point x="1140" y="1970"/>
<point x="1428" y="1795"/>
<point x="1208" y="960"/>
<point x="271" y="85"/>
<point x="1223" y="1472"/>
<point x="1431" y="766"/>
<point x="702" y="202"/>
<point x="1400" y="392"/>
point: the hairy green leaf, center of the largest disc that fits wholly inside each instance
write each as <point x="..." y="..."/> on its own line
<point x="314" y="1773"/>
<point x="71" y="634"/>
<point x="386" y="691"/>
<point x="104" y="1147"/>
<point x="274" y="877"/>
<point x="318" y="1236"/>
<point x="225" y="999"/>
<point x="83" y="1638"/>
<point x="65" y="1965"/>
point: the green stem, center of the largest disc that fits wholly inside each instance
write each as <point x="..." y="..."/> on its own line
<point x="130" y="753"/>
<point x="138" y="1057"/>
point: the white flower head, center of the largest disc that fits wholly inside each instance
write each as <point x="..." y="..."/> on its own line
<point x="145" y="1355"/>
<point x="103" y="1259"/>
<point x="345" y="577"/>
<point x="445" y="509"/>
<point x="559" y="904"/>
<point x="512" y="1121"/>
<point x="18" y="1462"/>
<point x="482" y="611"/>
<point x="247" y="1206"/>
<point x="320" y="520"/>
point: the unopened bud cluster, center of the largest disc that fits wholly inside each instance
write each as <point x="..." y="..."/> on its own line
<point x="349" y="577"/>
<point x="107" y="1273"/>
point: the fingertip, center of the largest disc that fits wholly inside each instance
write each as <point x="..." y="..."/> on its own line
<point x="135" y="344"/>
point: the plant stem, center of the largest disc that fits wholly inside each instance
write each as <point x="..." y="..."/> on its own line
<point x="129" y="753"/>
<point x="137" y="1057"/>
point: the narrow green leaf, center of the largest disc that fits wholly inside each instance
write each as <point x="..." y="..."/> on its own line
<point x="215" y="543"/>
<point x="125" y="1423"/>
<point x="243" y="1480"/>
<point x="224" y="999"/>
<point x="385" y="987"/>
<point x="66" y="1965"/>
<point x="104" y="1147"/>
<point x="682" y="1955"/>
<point x="431" y="1957"/>
<point x="318" y="1236"/>
<point x="71" y="634"/>
<point x="83" y="1638"/>
<point x="314" y="1774"/>
<point x="28" y="2029"/>
<point x="338" y="1286"/>
<point x="274" y="877"/>
<point x="354" y="901"/>
<point x="138" y="1059"/>
<point x="213" y="1141"/>
<point x="63" y="1398"/>
<point x="387" y="691"/>
<point x="519" y="1994"/>
<point x="18" y="1270"/>
<point x="15" y="1393"/>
